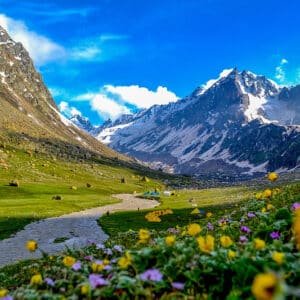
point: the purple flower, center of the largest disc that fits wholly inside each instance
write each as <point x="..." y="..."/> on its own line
<point x="96" y="280"/>
<point x="210" y="226"/>
<point x="118" y="248"/>
<point x="151" y="274"/>
<point x="251" y="215"/>
<point x="88" y="257"/>
<point x="178" y="285"/>
<point x="275" y="235"/>
<point x="77" y="266"/>
<point x="243" y="239"/>
<point x="100" y="246"/>
<point x="7" y="298"/>
<point x="108" y="251"/>
<point x="49" y="281"/>
<point x="295" y="206"/>
<point x="245" y="229"/>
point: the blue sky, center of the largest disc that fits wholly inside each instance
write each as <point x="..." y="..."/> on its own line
<point x="109" y="57"/>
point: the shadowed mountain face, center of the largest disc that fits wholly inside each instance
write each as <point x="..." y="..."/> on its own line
<point x="29" y="116"/>
<point x="237" y="126"/>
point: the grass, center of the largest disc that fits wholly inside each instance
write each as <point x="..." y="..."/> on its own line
<point x="41" y="178"/>
<point x="182" y="203"/>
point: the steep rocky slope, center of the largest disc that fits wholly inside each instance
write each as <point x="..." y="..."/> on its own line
<point x="29" y="116"/>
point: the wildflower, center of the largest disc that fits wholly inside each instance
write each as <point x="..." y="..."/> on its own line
<point x="195" y="211"/>
<point x="272" y="176"/>
<point x="296" y="228"/>
<point x="259" y="244"/>
<point x="49" y="281"/>
<point x="31" y="245"/>
<point x="278" y="257"/>
<point x="259" y="196"/>
<point x="85" y="289"/>
<point x="251" y="215"/>
<point x="295" y="206"/>
<point x="177" y="285"/>
<point x="125" y="261"/>
<point x="36" y="279"/>
<point x="245" y="229"/>
<point x="144" y="236"/>
<point x="118" y="248"/>
<point x="267" y="193"/>
<point x="69" y="261"/>
<point x="209" y="214"/>
<point x="226" y="241"/>
<point x="151" y="274"/>
<point x="270" y="206"/>
<point x="206" y="244"/>
<point x="97" y="266"/>
<point x="100" y="246"/>
<point x="263" y="210"/>
<point x="97" y="280"/>
<point x="194" y="229"/>
<point x="77" y="266"/>
<point x="243" y="239"/>
<point x="3" y="292"/>
<point x="275" y="235"/>
<point x="210" y="226"/>
<point x="264" y="286"/>
<point x="170" y="240"/>
<point x="231" y="254"/>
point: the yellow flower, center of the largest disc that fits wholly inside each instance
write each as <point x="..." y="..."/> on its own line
<point x="106" y="262"/>
<point x="31" y="245"/>
<point x="125" y="261"/>
<point x="231" y="254"/>
<point x="194" y="229"/>
<point x="69" y="261"/>
<point x="264" y="286"/>
<point x="206" y="244"/>
<point x="85" y="289"/>
<point x="278" y="257"/>
<point x="267" y="193"/>
<point x="258" y="196"/>
<point x="209" y="214"/>
<point x="3" y="292"/>
<point x="259" y="244"/>
<point x="263" y="210"/>
<point x="226" y="241"/>
<point x="36" y="279"/>
<point x="270" y="206"/>
<point x="170" y="240"/>
<point x="195" y="211"/>
<point x="144" y="236"/>
<point x="97" y="266"/>
<point x="272" y="176"/>
<point x="296" y="228"/>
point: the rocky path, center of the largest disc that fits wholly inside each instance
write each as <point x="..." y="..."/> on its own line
<point x="75" y="230"/>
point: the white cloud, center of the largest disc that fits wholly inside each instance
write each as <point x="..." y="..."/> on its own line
<point x="142" y="97"/>
<point x="113" y="101"/>
<point x="107" y="107"/>
<point x="85" y="53"/>
<point x="280" y="73"/>
<point x="40" y="48"/>
<point x="68" y="110"/>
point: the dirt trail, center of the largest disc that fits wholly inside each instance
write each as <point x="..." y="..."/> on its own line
<point x="79" y="229"/>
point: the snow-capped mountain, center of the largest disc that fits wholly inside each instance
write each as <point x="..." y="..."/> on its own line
<point x="239" y="124"/>
<point x="82" y="122"/>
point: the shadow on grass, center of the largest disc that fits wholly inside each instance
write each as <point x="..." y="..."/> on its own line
<point x="9" y="226"/>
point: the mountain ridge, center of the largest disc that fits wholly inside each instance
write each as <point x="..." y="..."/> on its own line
<point x="239" y="125"/>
